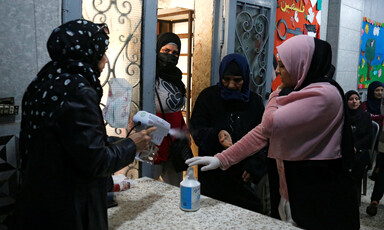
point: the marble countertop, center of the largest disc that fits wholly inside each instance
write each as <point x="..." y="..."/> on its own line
<point x="155" y="205"/>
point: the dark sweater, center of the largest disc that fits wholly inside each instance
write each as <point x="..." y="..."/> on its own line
<point x="211" y="114"/>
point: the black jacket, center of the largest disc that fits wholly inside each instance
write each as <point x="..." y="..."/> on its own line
<point x="211" y="114"/>
<point x="66" y="165"/>
<point x="362" y="129"/>
<point x="65" y="152"/>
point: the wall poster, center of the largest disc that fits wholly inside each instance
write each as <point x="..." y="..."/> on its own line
<point x="294" y="17"/>
<point x="371" y="64"/>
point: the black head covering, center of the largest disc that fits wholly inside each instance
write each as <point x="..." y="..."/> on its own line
<point x="78" y="40"/>
<point x="350" y="93"/>
<point x="238" y="65"/>
<point x="165" y="38"/>
<point x="355" y="113"/>
<point x="170" y="74"/>
<point x="373" y="103"/>
<point x="76" y="48"/>
<point x="320" y="64"/>
<point x="233" y="69"/>
<point x="331" y="71"/>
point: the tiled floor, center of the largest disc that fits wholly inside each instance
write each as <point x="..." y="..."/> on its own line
<point x="367" y="222"/>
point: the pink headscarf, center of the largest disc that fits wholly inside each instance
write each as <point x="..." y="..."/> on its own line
<point x="296" y="54"/>
<point x="307" y="123"/>
<point x="304" y="125"/>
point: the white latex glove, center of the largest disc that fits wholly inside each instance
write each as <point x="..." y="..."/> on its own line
<point x="210" y="162"/>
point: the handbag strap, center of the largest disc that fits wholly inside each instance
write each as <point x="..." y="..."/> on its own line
<point x="162" y="111"/>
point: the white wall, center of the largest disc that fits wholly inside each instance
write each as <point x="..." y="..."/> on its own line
<point x="24" y="29"/>
<point x="373" y="9"/>
<point x="351" y="16"/>
<point x="344" y="34"/>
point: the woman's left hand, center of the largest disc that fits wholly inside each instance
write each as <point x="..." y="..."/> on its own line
<point x="225" y="139"/>
<point x="247" y="176"/>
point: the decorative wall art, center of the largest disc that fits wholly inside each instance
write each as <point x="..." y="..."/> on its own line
<point x="294" y="17"/>
<point x="371" y="64"/>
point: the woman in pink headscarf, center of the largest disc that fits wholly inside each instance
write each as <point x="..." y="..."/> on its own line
<point x="310" y="143"/>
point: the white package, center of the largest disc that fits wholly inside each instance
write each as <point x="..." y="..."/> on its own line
<point x="116" y="112"/>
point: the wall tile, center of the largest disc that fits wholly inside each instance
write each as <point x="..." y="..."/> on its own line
<point x="347" y="60"/>
<point x="357" y="4"/>
<point x="351" y="18"/>
<point x="18" y="47"/>
<point x="349" y="39"/>
<point x="48" y="17"/>
<point x="24" y="30"/>
<point x="374" y="9"/>
<point x="347" y="80"/>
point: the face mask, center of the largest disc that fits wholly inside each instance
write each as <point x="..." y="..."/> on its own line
<point x="166" y="61"/>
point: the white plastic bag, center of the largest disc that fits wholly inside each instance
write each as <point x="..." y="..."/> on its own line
<point x="123" y="182"/>
<point x="116" y="112"/>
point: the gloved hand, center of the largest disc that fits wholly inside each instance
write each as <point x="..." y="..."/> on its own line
<point x="210" y="162"/>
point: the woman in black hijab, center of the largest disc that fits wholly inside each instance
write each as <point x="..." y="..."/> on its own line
<point x="222" y="115"/>
<point x="362" y="132"/>
<point x="373" y="103"/>
<point x="170" y="99"/>
<point x="373" y="107"/>
<point x="65" y="152"/>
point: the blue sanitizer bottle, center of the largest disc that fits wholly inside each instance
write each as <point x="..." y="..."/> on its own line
<point x="190" y="192"/>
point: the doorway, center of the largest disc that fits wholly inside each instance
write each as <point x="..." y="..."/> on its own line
<point x="178" y="17"/>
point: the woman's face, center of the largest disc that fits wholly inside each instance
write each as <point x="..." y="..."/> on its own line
<point x="102" y="63"/>
<point x="286" y="81"/>
<point x="378" y="92"/>
<point x="353" y="102"/>
<point x="170" y="49"/>
<point x="232" y="82"/>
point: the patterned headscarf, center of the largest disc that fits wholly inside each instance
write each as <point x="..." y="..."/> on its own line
<point x="76" y="48"/>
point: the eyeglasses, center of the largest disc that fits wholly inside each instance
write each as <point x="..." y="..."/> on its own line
<point x="102" y="27"/>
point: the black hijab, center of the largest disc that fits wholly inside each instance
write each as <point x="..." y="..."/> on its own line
<point x="171" y="74"/>
<point x="355" y="114"/>
<point x="373" y="103"/>
<point x="320" y="64"/>
<point x="76" y="48"/>
<point x="318" y="72"/>
<point x="234" y="64"/>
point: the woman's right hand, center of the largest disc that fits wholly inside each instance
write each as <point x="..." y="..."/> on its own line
<point x="210" y="162"/>
<point x="142" y="139"/>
